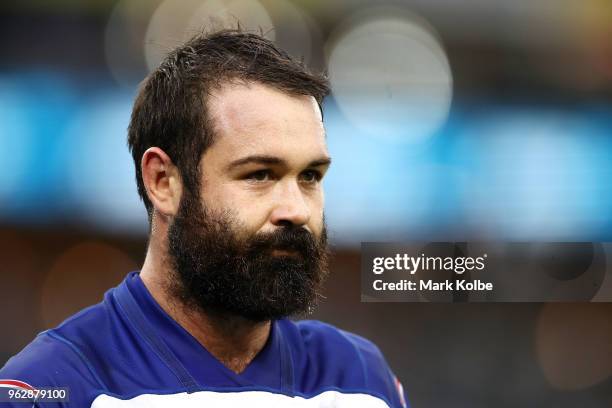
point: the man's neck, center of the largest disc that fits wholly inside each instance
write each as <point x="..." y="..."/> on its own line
<point x="233" y="340"/>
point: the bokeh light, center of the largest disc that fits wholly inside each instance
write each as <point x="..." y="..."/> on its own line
<point x="573" y="344"/>
<point x="124" y="38"/>
<point x="174" y="22"/>
<point x="605" y="290"/>
<point x="296" y="32"/>
<point x="390" y="75"/>
<point x="80" y="276"/>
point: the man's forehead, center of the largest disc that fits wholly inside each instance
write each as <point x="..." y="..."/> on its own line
<point x="258" y="119"/>
<point x="252" y="104"/>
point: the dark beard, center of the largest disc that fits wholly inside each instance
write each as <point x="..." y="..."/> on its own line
<point x="218" y="273"/>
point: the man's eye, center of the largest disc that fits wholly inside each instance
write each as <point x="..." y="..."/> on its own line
<point x="311" y="176"/>
<point x="259" y="176"/>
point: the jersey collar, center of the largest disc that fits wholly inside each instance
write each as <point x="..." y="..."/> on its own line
<point x="268" y="369"/>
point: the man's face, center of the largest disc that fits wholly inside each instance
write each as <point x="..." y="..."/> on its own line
<point x="254" y="242"/>
<point x="267" y="159"/>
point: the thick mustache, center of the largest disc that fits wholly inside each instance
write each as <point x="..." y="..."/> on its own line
<point x="297" y="239"/>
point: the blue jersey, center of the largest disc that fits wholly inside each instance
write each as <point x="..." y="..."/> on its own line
<point x="127" y="352"/>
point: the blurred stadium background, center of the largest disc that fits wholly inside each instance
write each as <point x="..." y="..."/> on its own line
<point x="449" y="120"/>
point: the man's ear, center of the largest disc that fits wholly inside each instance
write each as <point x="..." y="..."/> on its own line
<point x="161" y="180"/>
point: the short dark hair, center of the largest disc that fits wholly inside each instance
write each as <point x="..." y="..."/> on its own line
<point x="170" y="110"/>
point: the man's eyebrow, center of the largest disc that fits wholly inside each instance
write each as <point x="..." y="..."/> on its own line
<point x="263" y="159"/>
<point x="325" y="161"/>
<point x="259" y="159"/>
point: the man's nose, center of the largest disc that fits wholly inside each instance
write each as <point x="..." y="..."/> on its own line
<point x="290" y="207"/>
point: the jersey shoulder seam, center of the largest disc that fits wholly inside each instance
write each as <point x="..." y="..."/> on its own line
<point x="347" y="337"/>
<point x="358" y="351"/>
<point x="52" y="334"/>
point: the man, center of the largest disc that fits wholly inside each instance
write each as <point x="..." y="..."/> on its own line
<point x="229" y="147"/>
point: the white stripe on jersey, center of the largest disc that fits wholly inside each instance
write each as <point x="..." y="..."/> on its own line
<point x="251" y="399"/>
